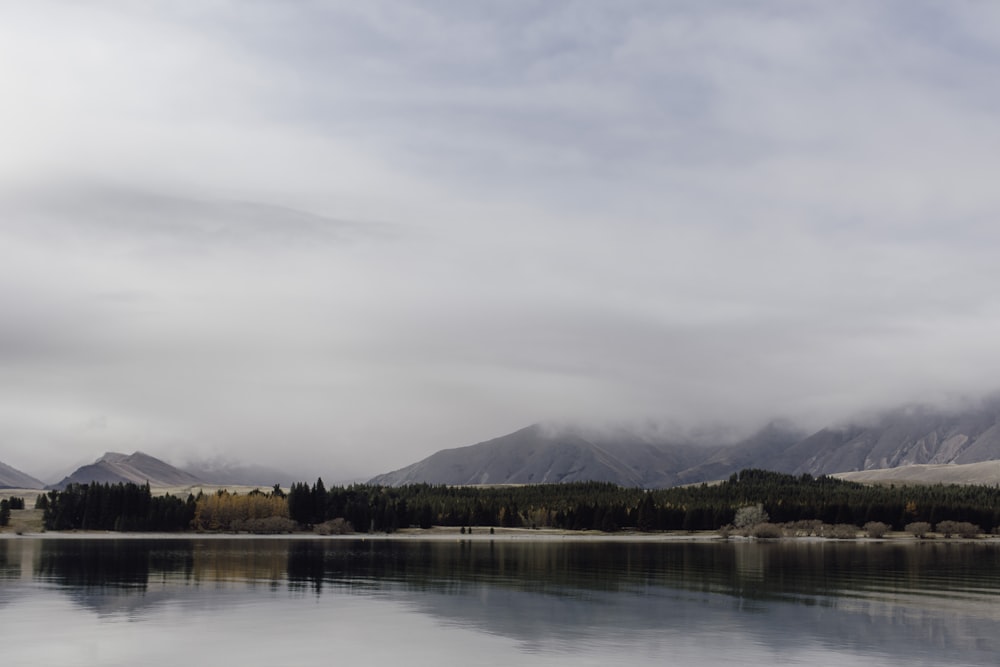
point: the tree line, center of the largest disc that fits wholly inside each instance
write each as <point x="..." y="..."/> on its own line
<point x="574" y="506"/>
<point x="608" y="507"/>
<point x="123" y="507"/>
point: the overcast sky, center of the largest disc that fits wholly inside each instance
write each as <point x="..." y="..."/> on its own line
<point x="339" y="236"/>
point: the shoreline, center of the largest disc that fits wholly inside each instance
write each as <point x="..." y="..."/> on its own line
<point x="483" y="535"/>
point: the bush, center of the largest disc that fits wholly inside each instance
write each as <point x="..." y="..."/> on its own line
<point x="751" y="515"/>
<point x="266" y="526"/>
<point x="766" y="531"/>
<point x="841" y="531"/>
<point x="876" y="529"/>
<point x="338" y="526"/>
<point x="959" y="528"/>
<point x="918" y="529"/>
<point x="804" y="527"/>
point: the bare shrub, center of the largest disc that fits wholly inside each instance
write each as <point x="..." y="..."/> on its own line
<point x="804" y="527"/>
<point x="839" y="531"/>
<point x="338" y="526"/>
<point x="946" y="528"/>
<point x="766" y="530"/>
<point x="918" y="529"/>
<point x="876" y="529"/>
<point x="958" y="528"/>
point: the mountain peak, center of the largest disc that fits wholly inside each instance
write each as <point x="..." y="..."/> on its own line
<point x="137" y="468"/>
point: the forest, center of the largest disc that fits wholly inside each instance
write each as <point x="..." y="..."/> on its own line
<point x="576" y="506"/>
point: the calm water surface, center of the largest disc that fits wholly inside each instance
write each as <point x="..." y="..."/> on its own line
<point x="271" y="602"/>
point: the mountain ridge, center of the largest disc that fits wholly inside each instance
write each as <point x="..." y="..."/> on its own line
<point x="906" y="437"/>
<point x="541" y="454"/>
<point x="12" y="478"/>
<point x="912" y="435"/>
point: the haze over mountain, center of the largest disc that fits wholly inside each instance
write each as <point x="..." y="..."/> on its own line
<point x="239" y="473"/>
<point x="907" y="436"/>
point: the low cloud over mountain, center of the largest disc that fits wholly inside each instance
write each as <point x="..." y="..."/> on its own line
<point x="903" y="437"/>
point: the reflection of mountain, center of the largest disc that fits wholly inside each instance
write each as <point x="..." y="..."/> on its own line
<point x="903" y="600"/>
<point x="892" y="600"/>
<point x="882" y="625"/>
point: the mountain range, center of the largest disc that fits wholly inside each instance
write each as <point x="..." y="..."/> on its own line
<point x="538" y="453"/>
<point x="934" y="444"/>
<point x="140" y="468"/>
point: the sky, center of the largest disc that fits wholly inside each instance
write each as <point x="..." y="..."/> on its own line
<point x="340" y="236"/>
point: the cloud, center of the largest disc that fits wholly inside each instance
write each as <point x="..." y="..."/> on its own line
<point x="346" y="235"/>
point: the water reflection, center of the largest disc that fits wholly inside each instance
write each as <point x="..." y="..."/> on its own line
<point x="793" y="572"/>
<point x="892" y="602"/>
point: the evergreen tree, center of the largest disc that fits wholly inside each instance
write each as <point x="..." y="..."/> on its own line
<point x="319" y="502"/>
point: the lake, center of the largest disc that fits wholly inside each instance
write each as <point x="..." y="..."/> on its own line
<point x="208" y="601"/>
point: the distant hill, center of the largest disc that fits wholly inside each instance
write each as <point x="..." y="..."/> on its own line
<point x="12" y="478"/>
<point x="139" y="468"/>
<point x="904" y="437"/>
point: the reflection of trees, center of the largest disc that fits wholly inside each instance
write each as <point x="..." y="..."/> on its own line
<point x="863" y="595"/>
<point x="132" y="564"/>
<point x="93" y="564"/>
<point x="529" y="566"/>
<point x="781" y="570"/>
<point x="10" y="564"/>
<point x="749" y="561"/>
<point x="238" y="561"/>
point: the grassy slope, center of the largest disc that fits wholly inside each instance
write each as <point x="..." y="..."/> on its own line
<point x="987" y="472"/>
